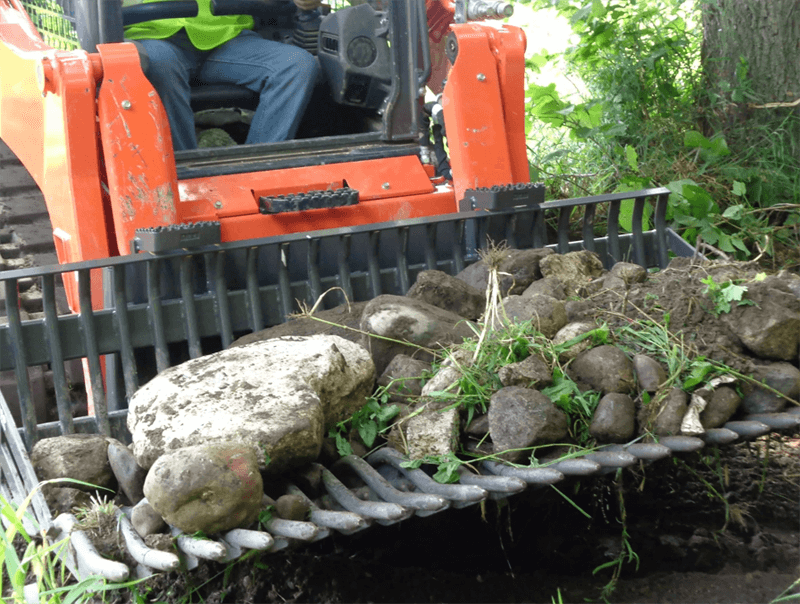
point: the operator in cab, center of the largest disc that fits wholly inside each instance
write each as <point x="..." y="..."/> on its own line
<point x="209" y="49"/>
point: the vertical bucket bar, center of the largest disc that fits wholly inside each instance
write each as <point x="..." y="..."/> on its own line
<point x="373" y="266"/>
<point x="587" y="229"/>
<point x="253" y="298"/>
<point x="563" y="229"/>
<point x="312" y="266"/>
<point x="130" y="374"/>
<point x="613" y="230"/>
<point x="92" y="353"/>
<point x="638" y="236"/>
<point x="459" y="246"/>
<point x="342" y="268"/>
<point x="430" y="247"/>
<point x="56" y="356"/>
<point x="284" y="284"/>
<point x="189" y="310"/>
<point x="539" y="229"/>
<point x="403" y="278"/>
<point x="223" y="308"/>
<point x="660" y="220"/>
<point x="156" y="315"/>
<point x="27" y="410"/>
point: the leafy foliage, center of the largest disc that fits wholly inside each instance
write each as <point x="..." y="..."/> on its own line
<point x="644" y="116"/>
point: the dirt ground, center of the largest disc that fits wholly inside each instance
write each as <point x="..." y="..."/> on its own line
<point x="718" y="526"/>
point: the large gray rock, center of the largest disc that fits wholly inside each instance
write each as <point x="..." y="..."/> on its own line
<point x="517" y="270"/>
<point x="605" y="369"/>
<point x="520" y="418"/>
<point x="81" y="457"/>
<point x="614" y="420"/>
<point x="209" y="488"/>
<point x="770" y="329"/>
<point x="397" y="319"/>
<point x="278" y="396"/>
<point x="783" y="377"/>
<point x="546" y="314"/>
<point x="450" y="293"/>
<point x="574" y="270"/>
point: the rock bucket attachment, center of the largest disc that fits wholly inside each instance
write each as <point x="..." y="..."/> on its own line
<point x="188" y="298"/>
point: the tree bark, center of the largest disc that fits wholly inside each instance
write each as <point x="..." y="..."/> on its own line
<point x="763" y="33"/>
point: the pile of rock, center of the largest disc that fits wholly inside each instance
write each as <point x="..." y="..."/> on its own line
<point x="209" y="435"/>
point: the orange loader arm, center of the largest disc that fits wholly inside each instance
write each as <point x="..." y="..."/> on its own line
<point x="94" y="135"/>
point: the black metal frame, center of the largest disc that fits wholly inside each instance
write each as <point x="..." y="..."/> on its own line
<point x="187" y="298"/>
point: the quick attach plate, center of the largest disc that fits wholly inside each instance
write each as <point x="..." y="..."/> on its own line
<point x="502" y="197"/>
<point x="312" y="200"/>
<point x="176" y="236"/>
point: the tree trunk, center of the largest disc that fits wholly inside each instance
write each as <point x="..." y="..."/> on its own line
<point x="763" y="33"/>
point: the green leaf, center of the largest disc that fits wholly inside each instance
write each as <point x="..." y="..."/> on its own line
<point x="693" y="139"/>
<point x="739" y="188"/>
<point x="368" y="431"/>
<point x="632" y="157"/>
<point x="734" y="212"/>
<point x="342" y="446"/>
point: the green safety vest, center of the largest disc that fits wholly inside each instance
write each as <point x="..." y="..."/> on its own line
<point x="205" y="31"/>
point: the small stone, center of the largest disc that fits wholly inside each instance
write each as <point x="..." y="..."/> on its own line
<point x="478" y="427"/>
<point x="570" y="332"/>
<point x="614" y="420"/>
<point x="402" y="378"/>
<point x="209" y="488"/>
<point x="160" y="541"/>
<point x="605" y="369"/>
<point x="549" y="286"/>
<point x="450" y="293"/>
<point x="130" y="475"/>
<point x="546" y="314"/>
<point x="520" y="418"/>
<point x="145" y="520"/>
<point x="783" y="377"/>
<point x="432" y="432"/>
<point x="649" y="372"/>
<point x="292" y="507"/>
<point x="574" y="269"/>
<point x="722" y="404"/>
<point x="629" y="273"/>
<point x="81" y="457"/>
<point x="531" y="372"/>
<point x="665" y="418"/>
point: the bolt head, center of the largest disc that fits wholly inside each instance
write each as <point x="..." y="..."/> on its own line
<point x="126" y="104"/>
<point x="218" y="205"/>
<point x="481" y="77"/>
<point x="386" y="186"/>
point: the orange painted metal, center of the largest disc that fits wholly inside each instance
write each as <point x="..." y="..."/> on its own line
<point x="101" y="126"/>
<point x="479" y="113"/>
<point x="48" y="118"/>
<point x="137" y="146"/>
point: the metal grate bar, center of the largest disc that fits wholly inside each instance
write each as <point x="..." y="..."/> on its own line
<point x="56" y="356"/>
<point x="92" y="359"/>
<point x="253" y="299"/>
<point x="17" y="347"/>
<point x="189" y="310"/>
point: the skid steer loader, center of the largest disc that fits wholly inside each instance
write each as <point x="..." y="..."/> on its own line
<point x="168" y="255"/>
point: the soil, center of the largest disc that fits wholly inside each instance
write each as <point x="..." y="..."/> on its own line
<point x="721" y="525"/>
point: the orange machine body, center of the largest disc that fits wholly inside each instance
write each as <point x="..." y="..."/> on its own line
<point x="94" y="135"/>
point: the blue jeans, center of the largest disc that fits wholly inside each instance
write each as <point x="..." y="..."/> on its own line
<point x="284" y="76"/>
